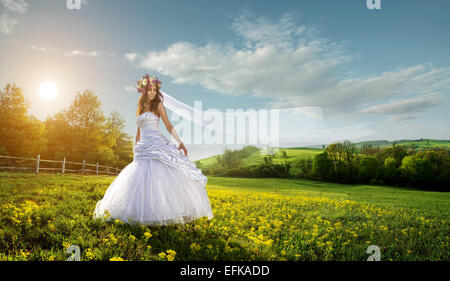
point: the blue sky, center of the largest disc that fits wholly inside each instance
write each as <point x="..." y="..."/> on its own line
<point x="388" y="68"/>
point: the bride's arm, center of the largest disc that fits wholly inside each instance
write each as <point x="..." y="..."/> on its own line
<point x="162" y="112"/>
<point x="138" y="135"/>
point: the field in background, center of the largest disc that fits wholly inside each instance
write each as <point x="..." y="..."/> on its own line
<point x="255" y="219"/>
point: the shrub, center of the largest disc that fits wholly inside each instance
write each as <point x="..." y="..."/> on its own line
<point x="301" y="168"/>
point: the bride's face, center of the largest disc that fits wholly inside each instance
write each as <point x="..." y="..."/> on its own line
<point x="151" y="92"/>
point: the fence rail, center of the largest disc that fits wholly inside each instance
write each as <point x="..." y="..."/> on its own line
<point x="63" y="169"/>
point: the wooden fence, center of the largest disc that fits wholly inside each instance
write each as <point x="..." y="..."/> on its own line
<point x="63" y="169"/>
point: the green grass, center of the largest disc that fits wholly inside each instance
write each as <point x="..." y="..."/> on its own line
<point x="207" y="162"/>
<point x="254" y="219"/>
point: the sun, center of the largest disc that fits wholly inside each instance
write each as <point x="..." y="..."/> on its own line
<point x="48" y="90"/>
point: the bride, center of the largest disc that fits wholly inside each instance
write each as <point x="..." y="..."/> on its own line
<point x="161" y="185"/>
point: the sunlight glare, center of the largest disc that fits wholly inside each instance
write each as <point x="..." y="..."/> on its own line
<point x="48" y="90"/>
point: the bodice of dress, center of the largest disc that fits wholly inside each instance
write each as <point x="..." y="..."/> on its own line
<point x="153" y="144"/>
<point x="148" y="123"/>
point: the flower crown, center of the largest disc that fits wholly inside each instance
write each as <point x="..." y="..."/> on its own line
<point x="145" y="82"/>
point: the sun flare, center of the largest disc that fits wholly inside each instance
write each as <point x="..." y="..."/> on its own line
<point x="48" y="90"/>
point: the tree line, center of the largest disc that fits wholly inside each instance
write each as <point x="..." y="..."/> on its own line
<point x="80" y="132"/>
<point x="344" y="162"/>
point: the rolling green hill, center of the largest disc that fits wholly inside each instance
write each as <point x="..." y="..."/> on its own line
<point x="295" y="153"/>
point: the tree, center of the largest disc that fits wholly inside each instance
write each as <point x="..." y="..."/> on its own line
<point x="60" y="138"/>
<point x="369" y="169"/>
<point x="87" y="118"/>
<point x="81" y="133"/>
<point x="301" y="168"/>
<point x="424" y="177"/>
<point x="409" y="169"/>
<point x="369" y="149"/>
<point x="335" y="153"/>
<point x="120" y="142"/>
<point x="390" y="170"/>
<point x="322" y="166"/>
<point x="229" y="159"/>
<point x="351" y="156"/>
<point x="21" y="134"/>
<point x="440" y="165"/>
<point x="396" y="151"/>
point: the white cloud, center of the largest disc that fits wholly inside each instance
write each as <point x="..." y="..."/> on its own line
<point x="406" y="109"/>
<point x="350" y="94"/>
<point x="81" y="53"/>
<point x="130" y="89"/>
<point x="36" y="48"/>
<point x="7" y="24"/>
<point x="41" y="49"/>
<point x="18" y="6"/>
<point x="131" y="56"/>
<point x="415" y="104"/>
<point x="290" y="64"/>
<point x="401" y="117"/>
<point x="277" y="58"/>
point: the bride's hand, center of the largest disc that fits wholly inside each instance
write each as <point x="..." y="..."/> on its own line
<point x="181" y="146"/>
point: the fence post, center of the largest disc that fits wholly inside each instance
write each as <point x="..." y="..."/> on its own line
<point x="84" y="161"/>
<point x="117" y="170"/>
<point x="107" y="168"/>
<point x="96" y="169"/>
<point x="64" y="165"/>
<point x="37" y="164"/>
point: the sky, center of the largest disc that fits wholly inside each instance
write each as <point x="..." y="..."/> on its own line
<point x="374" y="73"/>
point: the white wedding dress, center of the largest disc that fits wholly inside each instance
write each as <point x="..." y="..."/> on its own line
<point x="160" y="186"/>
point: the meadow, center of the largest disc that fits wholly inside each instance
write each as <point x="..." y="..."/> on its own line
<point x="254" y="219"/>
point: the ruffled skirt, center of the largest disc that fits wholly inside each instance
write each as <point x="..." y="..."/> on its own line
<point x="159" y="187"/>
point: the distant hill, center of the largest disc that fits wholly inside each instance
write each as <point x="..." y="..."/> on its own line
<point x="419" y="143"/>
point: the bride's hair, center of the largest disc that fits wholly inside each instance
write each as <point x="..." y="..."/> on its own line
<point x="144" y="100"/>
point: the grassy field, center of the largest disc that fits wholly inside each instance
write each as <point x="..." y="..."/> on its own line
<point x="255" y="219"/>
